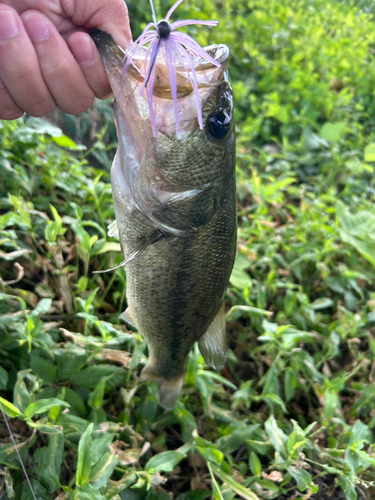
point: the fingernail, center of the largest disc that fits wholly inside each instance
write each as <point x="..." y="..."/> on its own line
<point x="8" y="25"/>
<point x="84" y="51"/>
<point x="37" y="27"/>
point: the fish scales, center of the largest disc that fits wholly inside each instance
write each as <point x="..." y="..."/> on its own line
<point x="175" y="206"/>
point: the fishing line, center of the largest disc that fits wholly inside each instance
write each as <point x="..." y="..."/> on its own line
<point x="17" y="452"/>
<point x="153" y="13"/>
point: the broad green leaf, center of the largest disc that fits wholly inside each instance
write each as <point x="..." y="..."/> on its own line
<point x="347" y="487"/>
<point x="8" y="453"/>
<point x="55" y="455"/>
<point x="211" y="454"/>
<point x="73" y="426"/>
<point x="331" y="404"/>
<point x="358" y="167"/>
<point x="367" y="250"/>
<point x="8" y="483"/>
<point x="64" y="142"/>
<point x="10" y="410"/>
<point x="238" y="311"/>
<point x="91" y="376"/>
<point x="164" y="461"/>
<point x="219" y="378"/>
<point x="361" y="434"/>
<point x="69" y="361"/>
<point x="109" y="246"/>
<point x="100" y="446"/>
<point x="75" y="401"/>
<point x="277" y="437"/>
<point x="321" y="303"/>
<point x="3" y="378"/>
<point x="194" y="495"/>
<point x="290" y="383"/>
<point x="43" y="405"/>
<point x="44" y="368"/>
<point x="113" y="488"/>
<point x="280" y="113"/>
<point x="268" y="485"/>
<point x="42" y="126"/>
<point x="42" y="307"/>
<point x="236" y="437"/>
<point x="38" y="488"/>
<point x="254" y="464"/>
<point x="102" y="471"/>
<point x="21" y="396"/>
<point x="84" y="456"/>
<point x="361" y="223"/>
<point x="45" y="429"/>
<point x="88" y="492"/>
<point x="369" y="153"/>
<point x="301" y="476"/>
<point x="186" y="420"/>
<point x="365" y="457"/>
<point x="243" y="492"/>
<point x="239" y="278"/>
<point x="97" y="395"/>
<point x="217" y="495"/>
<point x="332" y="132"/>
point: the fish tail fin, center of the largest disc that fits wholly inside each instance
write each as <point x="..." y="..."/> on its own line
<point x="212" y="344"/>
<point x="169" y="389"/>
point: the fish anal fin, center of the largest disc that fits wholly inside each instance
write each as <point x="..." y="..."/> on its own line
<point x="128" y="318"/>
<point x="212" y="344"/>
<point x="169" y="389"/>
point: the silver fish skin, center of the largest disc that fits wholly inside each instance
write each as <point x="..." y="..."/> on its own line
<point x="175" y="205"/>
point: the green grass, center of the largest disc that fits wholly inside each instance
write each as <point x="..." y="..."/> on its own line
<point x="293" y="411"/>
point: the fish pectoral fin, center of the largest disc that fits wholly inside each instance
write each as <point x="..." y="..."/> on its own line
<point x="183" y="213"/>
<point x="212" y="344"/>
<point x="112" y="229"/>
<point x="169" y="389"/>
<point x="128" y="318"/>
<point x="153" y="238"/>
<point x="175" y="209"/>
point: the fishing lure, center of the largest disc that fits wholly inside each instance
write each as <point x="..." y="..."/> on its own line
<point x="163" y="38"/>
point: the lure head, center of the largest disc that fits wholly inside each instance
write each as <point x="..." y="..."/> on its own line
<point x="164" y="29"/>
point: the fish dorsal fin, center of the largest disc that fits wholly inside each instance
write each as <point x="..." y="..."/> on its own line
<point x="153" y="238"/>
<point x="128" y="318"/>
<point x="212" y="344"/>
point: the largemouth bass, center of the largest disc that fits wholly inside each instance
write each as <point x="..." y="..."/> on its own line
<point x="175" y="205"/>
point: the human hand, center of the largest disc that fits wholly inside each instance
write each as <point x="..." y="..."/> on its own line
<point x="47" y="58"/>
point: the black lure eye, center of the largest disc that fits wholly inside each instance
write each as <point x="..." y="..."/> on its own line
<point x="164" y="29"/>
<point x="218" y="125"/>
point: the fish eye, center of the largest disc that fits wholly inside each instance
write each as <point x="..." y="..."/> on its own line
<point x="218" y="125"/>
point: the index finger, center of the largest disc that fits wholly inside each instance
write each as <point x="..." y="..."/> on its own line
<point x="110" y="16"/>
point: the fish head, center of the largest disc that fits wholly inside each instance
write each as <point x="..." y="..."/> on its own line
<point x="134" y="110"/>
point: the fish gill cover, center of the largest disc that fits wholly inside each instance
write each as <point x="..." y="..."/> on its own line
<point x="174" y="46"/>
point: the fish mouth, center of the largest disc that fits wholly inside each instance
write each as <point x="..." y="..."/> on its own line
<point x="133" y="102"/>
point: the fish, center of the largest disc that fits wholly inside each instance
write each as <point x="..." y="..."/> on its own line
<point x="175" y="204"/>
